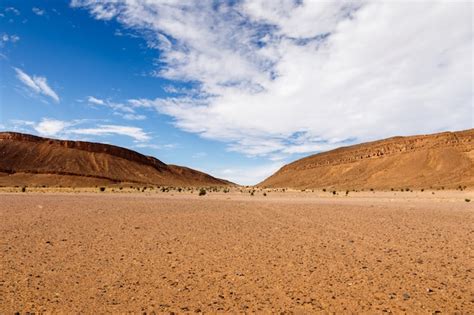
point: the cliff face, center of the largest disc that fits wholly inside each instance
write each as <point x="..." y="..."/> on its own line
<point x="438" y="160"/>
<point x="76" y="163"/>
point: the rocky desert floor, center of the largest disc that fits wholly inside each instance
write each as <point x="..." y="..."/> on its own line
<point x="409" y="252"/>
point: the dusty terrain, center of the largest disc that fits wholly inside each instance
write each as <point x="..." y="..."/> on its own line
<point x="27" y="160"/>
<point x="287" y="251"/>
<point x="426" y="161"/>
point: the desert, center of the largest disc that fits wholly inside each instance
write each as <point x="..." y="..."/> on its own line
<point x="292" y="251"/>
<point x="236" y="157"/>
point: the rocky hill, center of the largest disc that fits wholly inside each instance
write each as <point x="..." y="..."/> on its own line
<point x="31" y="160"/>
<point x="437" y="160"/>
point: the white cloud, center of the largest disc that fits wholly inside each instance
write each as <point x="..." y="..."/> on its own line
<point x="38" y="11"/>
<point x="60" y="128"/>
<point x="13" y="10"/>
<point x="249" y="175"/>
<point x="96" y="101"/>
<point x="9" y="38"/>
<point x="284" y="77"/>
<point x="126" y="111"/>
<point x="37" y="84"/>
<point x="106" y="130"/>
<point x="51" y="127"/>
<point x="154" y="146"/>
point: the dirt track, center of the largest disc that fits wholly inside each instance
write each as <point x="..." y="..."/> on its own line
<point x="130" y="252"/>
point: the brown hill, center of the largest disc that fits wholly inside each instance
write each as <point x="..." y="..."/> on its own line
<point x="32" y="160"/>
<point x="438" y="160"/>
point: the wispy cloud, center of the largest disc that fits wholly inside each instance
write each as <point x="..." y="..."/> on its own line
<point x="249" y="175"/>
<point x="36" y="84"/>
<point x="59" y="128"/>
<point x="283" y="77"/>
<point x="126" y="111"/>
<point x="5" y="38"/>
<point x="155" y="146"/>
<point x="38" y="11"/>
<point x="12" y="10"/>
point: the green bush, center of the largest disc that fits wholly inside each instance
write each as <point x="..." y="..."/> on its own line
<point x="202" y="192"/>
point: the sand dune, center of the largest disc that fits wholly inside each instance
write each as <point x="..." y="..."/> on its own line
<point x="438" y="160"/>
<point x="31" y="160"/>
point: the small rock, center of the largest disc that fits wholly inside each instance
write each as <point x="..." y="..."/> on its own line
<point x="406" y="296"/>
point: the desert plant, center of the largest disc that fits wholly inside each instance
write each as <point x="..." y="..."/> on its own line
<point x="347" y="192"/>
<point x="467" y="200"/>
<point x="324" y="189"/>
<point x="334" y="192"/>
<point x="102" y="189"/>
<point x="23" y="189"/>
<point x="264" y="194"/>
<point x="202" y="192"/>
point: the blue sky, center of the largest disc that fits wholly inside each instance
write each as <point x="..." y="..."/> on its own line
<point x="234" y="88"/>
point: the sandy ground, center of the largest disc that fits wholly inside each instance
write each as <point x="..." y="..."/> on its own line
<point x="177" y="252"/>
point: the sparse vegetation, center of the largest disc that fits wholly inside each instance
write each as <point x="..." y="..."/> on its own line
<point x="202" y="192"/>
<point x="324" y="189"/>
<point x="334" y="192"/>
<point x="264" y="194"/>
<point x="23" y="189"/>
<point x="467" y="200"/>
<point x="102" y="189"/>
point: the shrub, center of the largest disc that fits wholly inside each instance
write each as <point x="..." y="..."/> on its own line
<point x="23" y="189"/>
<point x="252" y="193"/>
<point x="180" y="189"/>
<point x="102" y="189"/>
<point x="347" y="192"/>
<point x="422" y="189"/>
<point x="324" y="189"/>
<point x="264" y="194"/>
<point x="334" y="192"/>
<point x="467" y="200"/>
<point x="202" y="192"/>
